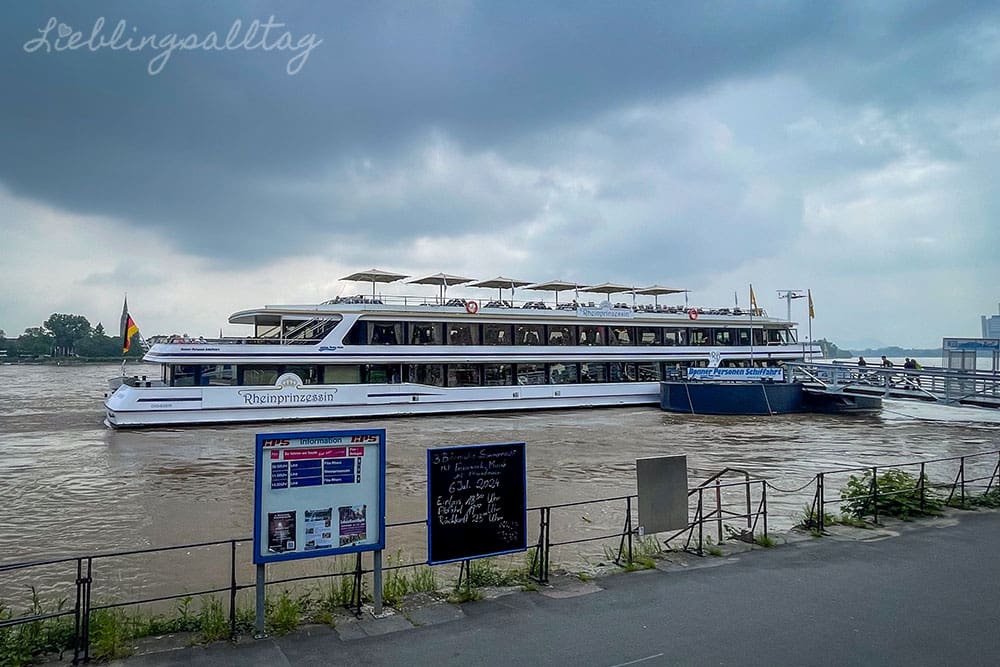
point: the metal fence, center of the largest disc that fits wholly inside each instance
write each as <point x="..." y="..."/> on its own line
<point x="714" y="506"/>
<point x="972" y="476"/>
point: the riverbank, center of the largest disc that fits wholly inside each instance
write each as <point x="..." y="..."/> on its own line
<point x="899" y="593"/>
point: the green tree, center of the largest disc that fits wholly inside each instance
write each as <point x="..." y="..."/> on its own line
<point x="35" y="342"/>
<point x="9" y="345"/>
<point x="67" y="330"/>
<point x="98" y="344"/>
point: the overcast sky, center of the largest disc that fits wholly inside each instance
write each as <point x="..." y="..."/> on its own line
<point x="848" y="148"/>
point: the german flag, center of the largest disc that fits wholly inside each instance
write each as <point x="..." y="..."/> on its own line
<point x="128" y="328"/>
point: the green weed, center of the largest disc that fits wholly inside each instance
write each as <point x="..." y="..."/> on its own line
<point x="899" y="495"/>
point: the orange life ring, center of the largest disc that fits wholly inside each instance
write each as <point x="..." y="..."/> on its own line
<point x="472" y="307"/>
<point x="693" y="314"/>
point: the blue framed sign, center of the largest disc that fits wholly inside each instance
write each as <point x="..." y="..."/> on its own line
<point x="477" y="501"/>
<point x="318" y="494"/>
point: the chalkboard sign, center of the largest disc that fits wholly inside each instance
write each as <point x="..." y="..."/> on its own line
<point x="476" y="501"/>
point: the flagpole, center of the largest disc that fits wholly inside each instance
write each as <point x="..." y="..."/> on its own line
<point x="752" y="305"/>
<point x="812" y="314"/>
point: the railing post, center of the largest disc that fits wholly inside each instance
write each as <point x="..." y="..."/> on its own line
<point x="746" y="478"/>
<point x="820" y="502"/>
<point x="628" y="525"/>
<point x="961" y="471"/>
<point x="718" y="509"/>
<point x="78" y="614"/>
<point x="548" y="543"/>
<point x="763" y="499"/>
<point x="701" y="521"/>
<point x="875" y="493"/>
<point x="87" y="581"/>
<point x="232" y="590"/>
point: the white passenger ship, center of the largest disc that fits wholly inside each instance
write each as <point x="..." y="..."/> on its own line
<point x="378" y="356"/>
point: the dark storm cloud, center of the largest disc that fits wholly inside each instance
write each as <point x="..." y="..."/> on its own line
<point x="229" y="156"/>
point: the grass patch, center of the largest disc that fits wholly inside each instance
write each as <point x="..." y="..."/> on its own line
<point x="765" y="541"/>
<point x="20" y="644"/>
<point x="810" y="518"/>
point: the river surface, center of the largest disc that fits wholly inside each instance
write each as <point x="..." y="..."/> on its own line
<point x="70" y="486"/>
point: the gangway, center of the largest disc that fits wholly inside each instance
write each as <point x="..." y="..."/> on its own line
<point x="944" y="386"/>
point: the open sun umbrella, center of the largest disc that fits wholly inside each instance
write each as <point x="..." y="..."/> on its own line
<point x="609" y="289"/>
<point x="657" y="290"/>
<point x="442" y="280"/>
<point x="556" y="286"/>
<point x="501" y="283"/>
<point x="375" y="276"/>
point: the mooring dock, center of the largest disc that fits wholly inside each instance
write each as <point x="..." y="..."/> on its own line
<point x="944" y="386"/>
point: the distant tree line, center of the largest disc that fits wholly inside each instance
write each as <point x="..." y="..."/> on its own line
<point x="831" y="351"/>
<point x="63" y="336"/>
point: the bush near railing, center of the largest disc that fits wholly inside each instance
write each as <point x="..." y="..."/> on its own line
<point x="892" y="493"/>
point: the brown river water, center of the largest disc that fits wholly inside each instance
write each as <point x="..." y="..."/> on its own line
<point x="72" y="487"/>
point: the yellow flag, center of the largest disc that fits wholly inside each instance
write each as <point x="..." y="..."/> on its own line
<point x="753" y="302"/>
<point x="812" y="313"/>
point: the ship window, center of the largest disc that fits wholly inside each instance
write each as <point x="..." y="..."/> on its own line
<point x="308" y="374"/>
<point x="463" y="334"/>
<point x="343" y="374"/>
<point x="258" y="375"/>
<point x="648" y="372"/>
<point x="675" y="337"/>
<point x="700" y="336"/>
<point x="497" y="334"/>
<point x="529" y="334"/>
<point x="776" y="336"/>
<point x="561" y="335"/>
<point x="621" y="335"/>
<point x="266" y="327"/>
<point x="723" y="337"/>
<point x="591" y="335"/>
<point x="185" y="376"/>
<point x="743" y="337"/>
<point x="531" y="374"/>
<point x="563" y="374"/>
<point x="385" y="333"/>
<point x="498" y="374"/>
<point x="358" y="335"/>
<point x="425" y="333"/>
<point x="648" y="336"/>
<point x="218" y="375"/>
<point x="293" y="328"/>
<point x="593" y="372"/>
<point x="673" y="370"/>
<point x="378" y="373"/>
<point x="622" y="372"/>
<point x="464" y="375"/>
<point x="432" y="374"/>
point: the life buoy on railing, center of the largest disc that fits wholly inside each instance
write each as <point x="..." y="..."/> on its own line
<point x="693" y="314"/>
<point x="472" y="307"/>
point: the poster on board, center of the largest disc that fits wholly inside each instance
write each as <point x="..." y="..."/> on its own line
<point x="476" y="501"/>
<point x="318" y="494"/>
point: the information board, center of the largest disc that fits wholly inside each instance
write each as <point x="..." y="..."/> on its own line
<point x="476" y="501"/>
<point x="318" y="494"/>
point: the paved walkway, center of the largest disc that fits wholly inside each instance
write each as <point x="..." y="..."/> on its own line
<point x="924" y="593"/>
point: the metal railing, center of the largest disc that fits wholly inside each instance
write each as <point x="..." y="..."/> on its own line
<point x="944" y="385"/>
<point x="713" y="504"/>
<point x="85" y="567"/>
<point x="968" y="474"/>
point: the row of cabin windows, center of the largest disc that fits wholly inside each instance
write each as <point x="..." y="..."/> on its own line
<point x="439" y="375"/>
<point x="467" y="333"/>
